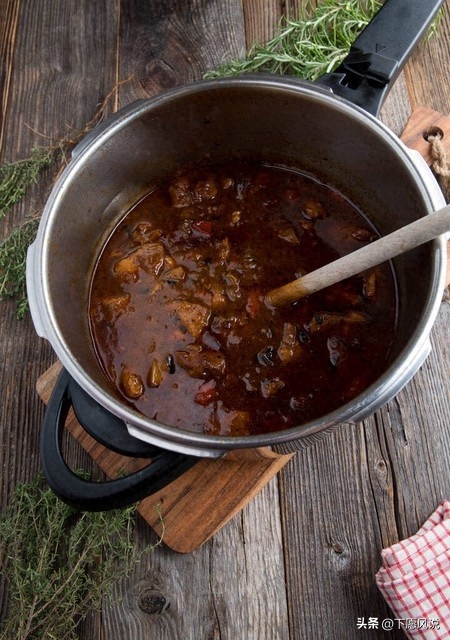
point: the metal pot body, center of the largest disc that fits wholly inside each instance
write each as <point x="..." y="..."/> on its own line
<point x="263" y="118"/>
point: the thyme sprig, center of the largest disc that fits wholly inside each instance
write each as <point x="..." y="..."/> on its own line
<point x="15" y="180"/>
<point x="16" y="177"/>
<point x="13" y="255"/>
<point x="59" y="563"/>
<point x="309" y="46"/>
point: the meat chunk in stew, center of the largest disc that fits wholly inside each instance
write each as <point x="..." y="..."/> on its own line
<point x="131" y="384"/>
<point x="201" y="362"/>
<point x="193" y="316"/>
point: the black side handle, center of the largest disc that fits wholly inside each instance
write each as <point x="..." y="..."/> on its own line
<point x="380" y="52"/>
<point x="105" y="427"/>
<point x="99" y="496"/>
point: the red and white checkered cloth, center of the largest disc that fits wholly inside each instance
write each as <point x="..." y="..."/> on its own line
<point x="415" y="578"/>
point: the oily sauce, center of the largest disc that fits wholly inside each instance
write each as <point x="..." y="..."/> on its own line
<point x="177" y="309"/>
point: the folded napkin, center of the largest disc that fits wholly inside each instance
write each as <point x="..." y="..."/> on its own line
<point x="415" y="578"/>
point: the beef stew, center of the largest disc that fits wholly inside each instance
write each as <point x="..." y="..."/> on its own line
<point x="177" y="311"/>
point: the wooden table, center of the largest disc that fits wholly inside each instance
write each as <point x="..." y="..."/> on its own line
<point x="299" y="560"/>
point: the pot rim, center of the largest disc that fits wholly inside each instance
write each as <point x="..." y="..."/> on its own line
<point x="386" y="386"/>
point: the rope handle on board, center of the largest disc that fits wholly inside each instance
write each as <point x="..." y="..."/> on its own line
<point x="441" y="164"/>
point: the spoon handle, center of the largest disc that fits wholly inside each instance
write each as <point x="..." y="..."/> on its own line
<point x="400" y="241"/>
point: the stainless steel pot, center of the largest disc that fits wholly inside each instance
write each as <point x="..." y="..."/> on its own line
<point x="268" y="118"/>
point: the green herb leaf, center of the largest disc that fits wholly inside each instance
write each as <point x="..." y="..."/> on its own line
<point x="310" y="46"/>
<point x="16" y="177"/>
<point x="13" y="254"/>
<point x="59" y="563"/>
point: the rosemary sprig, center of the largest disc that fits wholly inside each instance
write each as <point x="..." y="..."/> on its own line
<point x="309" y="46"/>
<point x="59" y="563"/>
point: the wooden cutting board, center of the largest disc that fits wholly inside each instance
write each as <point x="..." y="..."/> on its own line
<point x="194" y="507"/>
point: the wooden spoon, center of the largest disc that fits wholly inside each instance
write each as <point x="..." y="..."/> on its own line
<point x="400" y="241"/>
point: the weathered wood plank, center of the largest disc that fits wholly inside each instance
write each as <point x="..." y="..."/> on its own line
<point x="233" y="587"/>
<point x="8" y="32"/>
<point x="425" y="75"/>
<point x="363" y="488"/>
<point x="163" y="45"/>
<point x="58" y="62"/>
<point x="261" y="20"/>
<point x="330" y="538"/>
<point x="53" y="67"/>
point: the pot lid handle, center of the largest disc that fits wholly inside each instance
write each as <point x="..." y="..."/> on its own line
<point x="380" y="52"/>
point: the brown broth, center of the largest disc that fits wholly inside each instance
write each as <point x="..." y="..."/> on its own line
<point x="177" y="308"/>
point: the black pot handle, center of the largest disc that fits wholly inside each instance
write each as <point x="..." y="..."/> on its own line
<point x="380" y="52"/>
<point x="99" y="496"/>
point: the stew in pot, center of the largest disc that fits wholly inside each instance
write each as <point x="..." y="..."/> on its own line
<point x="177" y="309"/>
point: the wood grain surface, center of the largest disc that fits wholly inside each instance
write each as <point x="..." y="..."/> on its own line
<point x="299" y="560"/>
